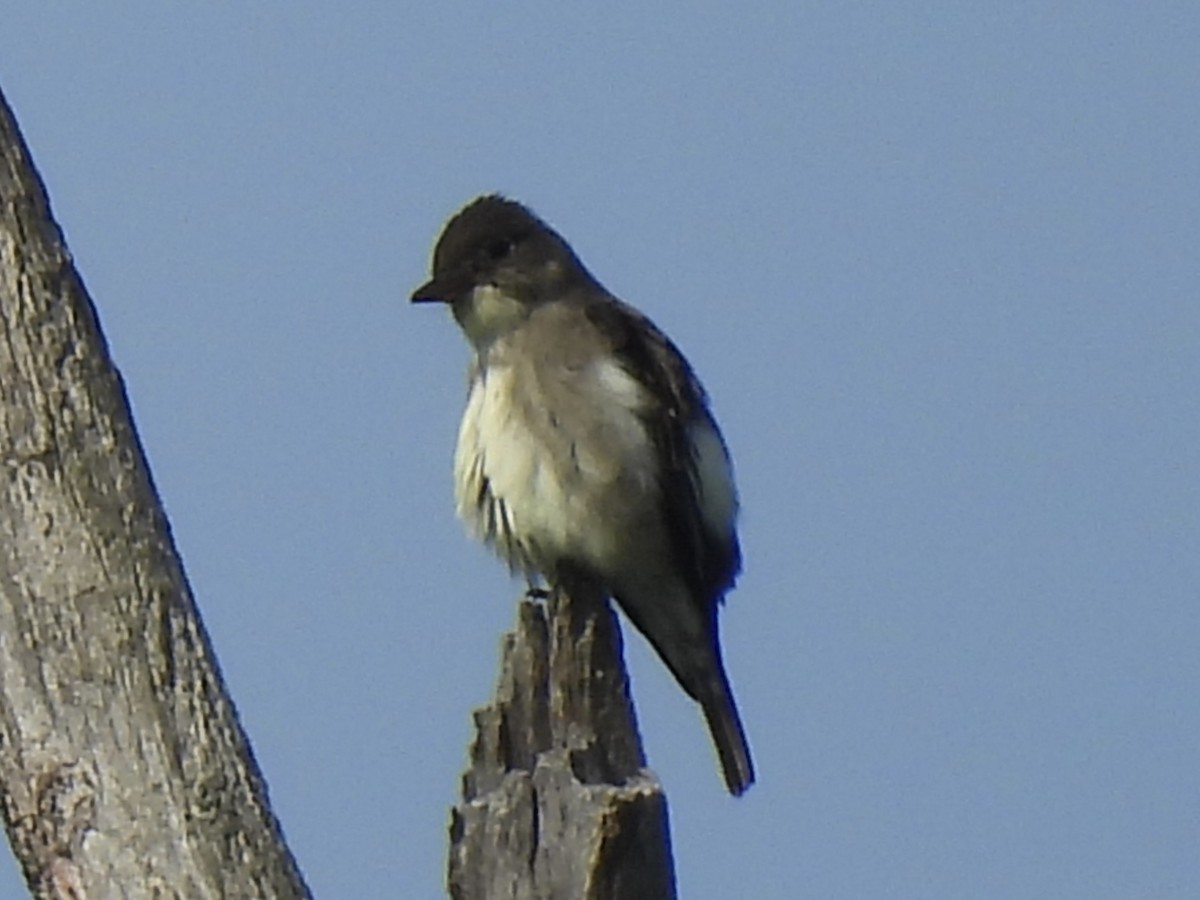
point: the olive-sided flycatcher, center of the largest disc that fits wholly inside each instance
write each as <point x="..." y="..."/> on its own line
<point x="588" y="447"/>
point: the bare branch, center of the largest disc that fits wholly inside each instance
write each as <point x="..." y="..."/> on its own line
<point x="123" y="769"/>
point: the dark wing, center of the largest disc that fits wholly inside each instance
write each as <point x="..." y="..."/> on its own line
<point x="708" y="561"/>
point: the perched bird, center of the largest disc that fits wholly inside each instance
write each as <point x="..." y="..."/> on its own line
<point x="588" y="446"/>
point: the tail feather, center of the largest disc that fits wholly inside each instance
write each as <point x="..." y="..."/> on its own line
<point x="728" y="735"/>
<point x="688" y="644"/>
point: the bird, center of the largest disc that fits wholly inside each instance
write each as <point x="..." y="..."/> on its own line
<point x="588" y="446"/>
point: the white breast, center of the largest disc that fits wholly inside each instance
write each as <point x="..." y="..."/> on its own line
<point x="554" y="463"/>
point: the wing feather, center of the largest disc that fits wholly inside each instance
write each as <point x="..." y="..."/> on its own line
<point x="698" y="497"/>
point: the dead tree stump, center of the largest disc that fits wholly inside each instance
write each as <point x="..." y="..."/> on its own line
<point x="557" y="803"/>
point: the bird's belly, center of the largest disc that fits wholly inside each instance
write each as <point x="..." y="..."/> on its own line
<point x="542" y="481"/>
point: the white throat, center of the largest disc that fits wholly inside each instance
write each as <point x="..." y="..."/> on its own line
<point x="489" y="312"/>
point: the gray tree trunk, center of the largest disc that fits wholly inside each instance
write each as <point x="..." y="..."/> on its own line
<point x="557" y="804"/>
<point x="123" y="769"/>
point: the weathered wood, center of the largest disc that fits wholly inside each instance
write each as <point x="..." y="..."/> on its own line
<point x="557" y="804"/>
<point x="123" y="769"/>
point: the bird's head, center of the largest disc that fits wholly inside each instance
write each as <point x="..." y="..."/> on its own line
<point x="494" y="264"/>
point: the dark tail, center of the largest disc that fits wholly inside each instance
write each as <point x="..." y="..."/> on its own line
<point x="689" y="646"/>
<point x="728" y="736"/>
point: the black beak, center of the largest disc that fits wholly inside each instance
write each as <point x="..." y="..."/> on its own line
<point x="444" y="288"/>
<point x="429" y="292"/>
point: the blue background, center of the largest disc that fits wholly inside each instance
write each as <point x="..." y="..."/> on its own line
<point x="937" y="265"/>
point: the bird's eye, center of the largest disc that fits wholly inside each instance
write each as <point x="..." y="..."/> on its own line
<point x="498" y="249"/>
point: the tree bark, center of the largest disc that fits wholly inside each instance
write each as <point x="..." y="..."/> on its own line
<point x="557" y="803"/>
<point x="123" y="769"/>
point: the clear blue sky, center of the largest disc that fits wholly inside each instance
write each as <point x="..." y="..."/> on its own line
<point x="937" y="265"/>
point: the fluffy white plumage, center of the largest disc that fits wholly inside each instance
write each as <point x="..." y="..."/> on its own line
<point x="526" y="483"/>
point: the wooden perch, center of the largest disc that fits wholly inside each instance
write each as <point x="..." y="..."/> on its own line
<point x="557" y="803"/>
